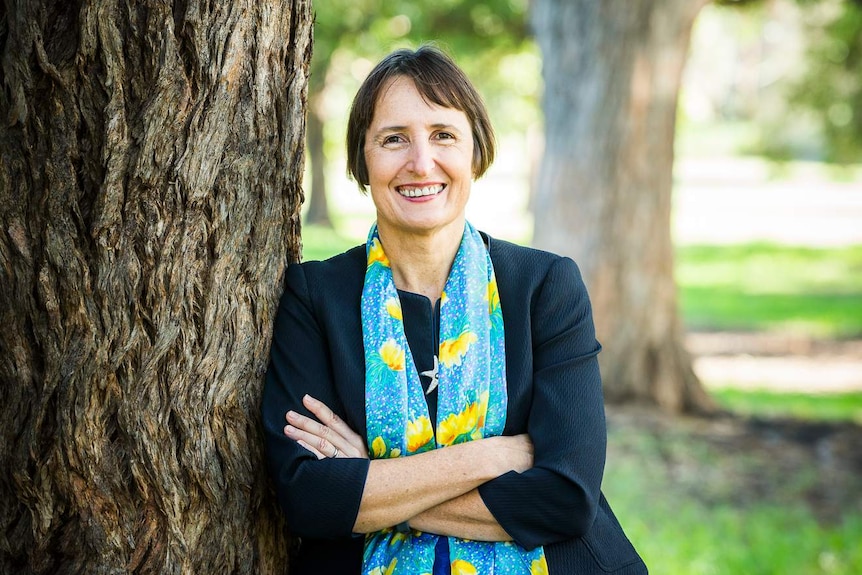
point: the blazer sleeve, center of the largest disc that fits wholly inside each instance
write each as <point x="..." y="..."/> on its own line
<point x="558" y="498"/>
<point x="320" y="498"/>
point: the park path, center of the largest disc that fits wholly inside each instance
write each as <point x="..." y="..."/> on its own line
<point x="736" y="200"/>
<point x="776" y="362"/>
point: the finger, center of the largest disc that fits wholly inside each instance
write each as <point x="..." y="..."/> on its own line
<point x="308" y="424"/>
<point x="331" y="420"/>
<point x="317" y="454"/>
<point x="313" y="429"/>
<point x="326" y="440"/>
<point x="327" y="416"/>
<point x="320" y="447"/>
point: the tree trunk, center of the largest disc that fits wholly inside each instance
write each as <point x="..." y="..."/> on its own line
<point x="318" y="207"/>
<point x="612" y="73"/>
<point x="152" y="154"/>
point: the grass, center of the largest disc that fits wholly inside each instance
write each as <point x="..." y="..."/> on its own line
<point x="682" y="536"/>
<point x="688" y="508"/>
<point x="319" y="243"/>
<point x="760" y="287"/>
<point x="821" y="407"/>
<point x="700" y="530"/>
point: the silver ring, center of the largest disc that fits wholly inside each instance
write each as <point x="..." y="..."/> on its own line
<point x="334" y="455"/>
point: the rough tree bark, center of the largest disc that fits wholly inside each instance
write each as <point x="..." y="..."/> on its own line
<point x="152" y="154"/>
<point x="612" y="74"/>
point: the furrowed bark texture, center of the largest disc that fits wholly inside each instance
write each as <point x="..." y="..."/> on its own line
<point x="152" y="153"/>
<point x="612" y="72"/>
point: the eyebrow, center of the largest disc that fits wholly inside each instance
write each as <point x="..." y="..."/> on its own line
<point x="390" y="129"/>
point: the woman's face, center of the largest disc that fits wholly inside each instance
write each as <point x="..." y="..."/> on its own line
<point x="419" y="158"/>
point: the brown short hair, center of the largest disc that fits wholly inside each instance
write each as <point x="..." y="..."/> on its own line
<point x="441" y="82"/>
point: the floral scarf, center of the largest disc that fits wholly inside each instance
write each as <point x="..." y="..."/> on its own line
<point x="471" y="399"/>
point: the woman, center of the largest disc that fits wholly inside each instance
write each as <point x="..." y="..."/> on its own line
<point x="433" y="402"/>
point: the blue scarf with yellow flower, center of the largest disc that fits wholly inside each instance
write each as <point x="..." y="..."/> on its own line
<point x="471" y="399"/>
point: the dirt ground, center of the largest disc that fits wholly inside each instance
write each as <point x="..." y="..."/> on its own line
<point x="729" y="459"/>
<point x="777" y="362"/>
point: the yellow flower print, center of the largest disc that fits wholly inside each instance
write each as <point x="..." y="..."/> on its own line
<point x="388" y="571"/>
<point x="392" y="355"/>
<point x="469" y="417"/>
<point x="447" y="430"/>
<point x="539" y="566"/>
<point x="419" y="433"/>
<point x="443" y="298"/>
<point x="483" y="410"/>
<point x="458" y="425"/>
<point x="393" y="306"/>
<point x="378" y="447"/>
<point x="493" y="295"/>
<point x="397" y="537"/>
<point x="376" y="255"/>
<point x="453" y="350"/>
<point x="461" y="567"/>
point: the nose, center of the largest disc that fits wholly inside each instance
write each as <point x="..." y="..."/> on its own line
<point x="421" y="158"/>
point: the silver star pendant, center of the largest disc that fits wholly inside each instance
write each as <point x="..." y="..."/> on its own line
<point x="432" y="373"/>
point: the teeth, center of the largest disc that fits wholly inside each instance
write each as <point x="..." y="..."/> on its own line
<point x="419" y="192"/>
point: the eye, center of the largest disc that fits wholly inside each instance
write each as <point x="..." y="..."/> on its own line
<point x="393" y="139"/>
<point x="444" y="136"/>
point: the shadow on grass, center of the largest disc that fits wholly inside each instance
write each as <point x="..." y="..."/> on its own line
<point x="732" y="494"/>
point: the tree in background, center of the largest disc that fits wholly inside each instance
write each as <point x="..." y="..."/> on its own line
<point x="149" y="201"/>
<point x="478" y="34"/>
<point x="612" y="73"/>
<point x="335" y="22"/>
<point x="794" y="82"/>
<point x="831" y="86"/>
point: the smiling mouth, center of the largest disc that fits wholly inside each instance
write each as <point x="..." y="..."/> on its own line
<point x="414" y="192"/>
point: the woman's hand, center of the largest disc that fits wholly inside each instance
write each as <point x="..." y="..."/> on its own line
<point x="441" y="483"/>
<point x="327" y="437"/>
<point x="515" y="452"/>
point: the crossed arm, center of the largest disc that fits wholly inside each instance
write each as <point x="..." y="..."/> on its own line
<point x="541" y="496"/>
<point x="435" y="491"/>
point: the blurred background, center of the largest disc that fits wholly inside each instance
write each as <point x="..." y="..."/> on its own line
<point x="765" y="180"/>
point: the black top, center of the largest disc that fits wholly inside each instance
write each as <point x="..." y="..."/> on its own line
<point x="554" y="390"/>
<point x="422" y="330"/>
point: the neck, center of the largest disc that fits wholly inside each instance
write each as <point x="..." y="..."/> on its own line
<point x="421" y="263"/>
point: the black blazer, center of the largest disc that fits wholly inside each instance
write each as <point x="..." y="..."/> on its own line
<point x="555" y="395"/>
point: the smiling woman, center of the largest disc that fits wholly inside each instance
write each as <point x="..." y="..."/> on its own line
<point x="435" y="336"/>
<point x="418" y="157"/>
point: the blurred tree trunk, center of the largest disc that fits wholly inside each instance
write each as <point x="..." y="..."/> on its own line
<point x="612" y="73"/>
<point x="318" y="207"/>
<point x="152" y="155"/>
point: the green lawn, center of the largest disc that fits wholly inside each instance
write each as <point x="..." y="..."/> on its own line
<point x="811" y="291"/>
<point x="807" y="406"/>
<point x="681" y="534"/>
<point x="731" y="504"/>
<point x="319" y="243"/>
